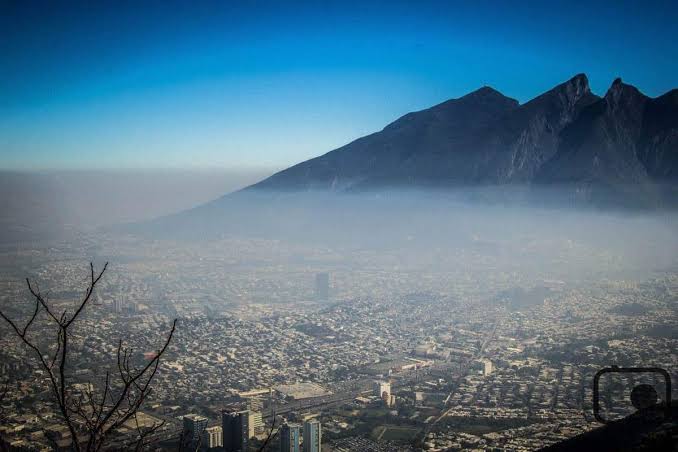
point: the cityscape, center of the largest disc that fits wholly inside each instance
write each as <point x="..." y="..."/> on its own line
<point x="345" y="359"/>
<point x="376" y="226"/>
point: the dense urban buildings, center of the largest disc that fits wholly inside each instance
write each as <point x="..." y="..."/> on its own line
<point x="376" y="226"/>
<point x="470" y="357"/>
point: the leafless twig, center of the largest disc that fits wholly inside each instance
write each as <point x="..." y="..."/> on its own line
<point x="272" y="433"/>
<point x="145" y="432"/>
<point x="88" y="414"/>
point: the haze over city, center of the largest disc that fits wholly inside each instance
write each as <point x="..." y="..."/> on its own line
<point x="342" y="227"/>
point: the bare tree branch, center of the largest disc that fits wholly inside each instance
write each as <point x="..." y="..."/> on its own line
<point x="83" y="412"/>
<point x="272" y="433"/>
<point x="145" y="432"/>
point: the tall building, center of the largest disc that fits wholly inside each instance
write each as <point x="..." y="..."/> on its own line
<point x="117" y="305"/>
<point x="255" y="404"/>
<point x="290" y="438"/>
<point x="194" y="426"/>
<point x="322" y="286"/>
<point x="382" y="390"/>
<point x="236" y="430"/>
<point x="487" y="367"/>
<point x="212" y="437"/>
<point x="255" y="423"/>
<point x="312" y="436"/>
<point x="483" y="366"/>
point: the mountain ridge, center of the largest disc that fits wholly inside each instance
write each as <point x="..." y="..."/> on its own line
<point x="566" y="136"/>
<point x="567" y="147"/>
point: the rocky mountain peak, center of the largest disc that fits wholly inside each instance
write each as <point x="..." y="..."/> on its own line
<point x="621" y="95"/>
<point x="484" y="92"/>
<point x="571" y="91"/>
<point x="577" y="86"/>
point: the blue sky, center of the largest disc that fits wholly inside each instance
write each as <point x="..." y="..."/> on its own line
<point x="260" y="84"/>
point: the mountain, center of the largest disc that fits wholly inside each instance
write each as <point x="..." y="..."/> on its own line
<point x="483" y="137"/>
<point x="622" y="145"/>
<point x="410" y="149"/>
<point x="658" y="143"/>
<point x="618" y="147"/>
<point x="566" y="146"/>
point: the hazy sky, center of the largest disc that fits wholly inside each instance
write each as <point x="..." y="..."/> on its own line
<point x="256" y="84"/>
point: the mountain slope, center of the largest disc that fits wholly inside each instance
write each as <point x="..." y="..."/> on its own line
<point x="516" y="146"/>
<point x="619" y="148"/>
<point x="435" y="131"/>
<point x="483" y="137"/>
<point x="565" y="146"/>
<point x="658" y="144"/>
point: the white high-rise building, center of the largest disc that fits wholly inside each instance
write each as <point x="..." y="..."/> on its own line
<point x="487" y="367"/>
<point x="212" y="437"/>
<point x="255" y="423"/>
<point x="382" y="390"/>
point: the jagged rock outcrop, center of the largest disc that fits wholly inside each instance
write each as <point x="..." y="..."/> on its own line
<point x="620" y="149"/>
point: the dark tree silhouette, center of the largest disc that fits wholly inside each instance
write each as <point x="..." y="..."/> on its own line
<point x="90" y="415"/>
